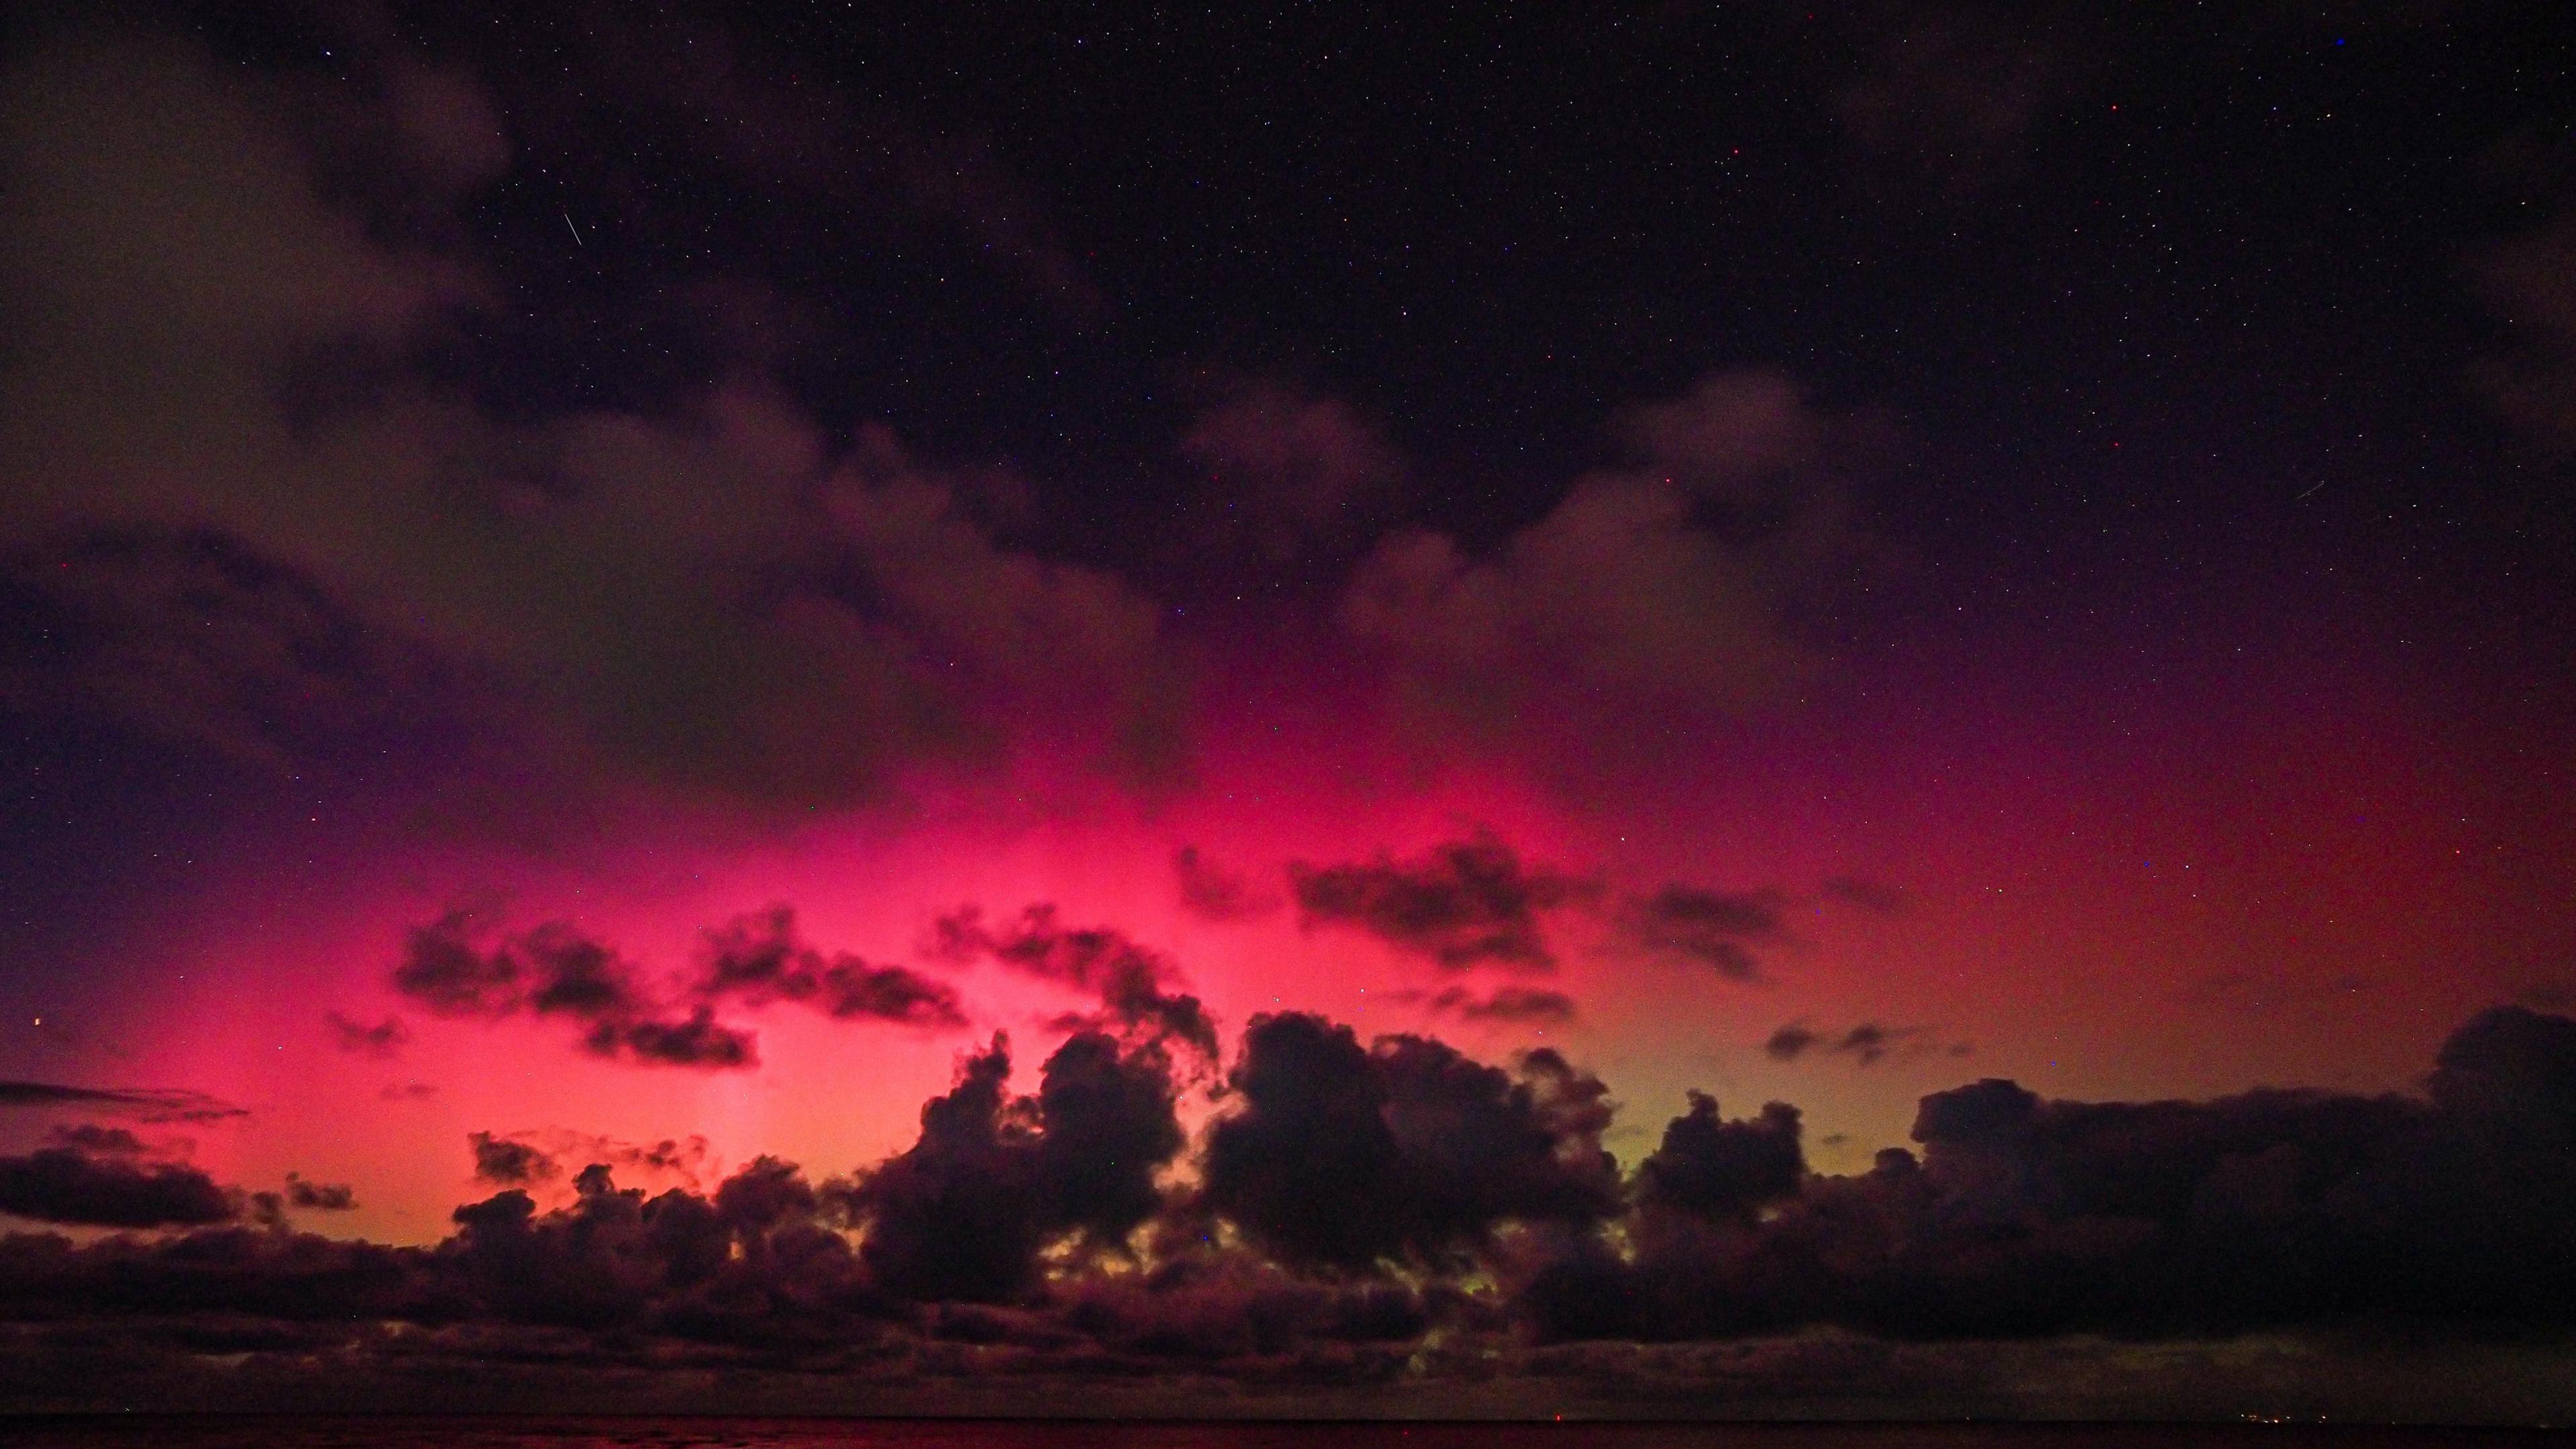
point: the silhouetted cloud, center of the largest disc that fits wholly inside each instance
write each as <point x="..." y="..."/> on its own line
<point x="1395" y="1214"/>
<point x="101" y="1141"/>
<point x="2025" y="1216"/>
<point x="500" y="1160"/>
<point x="1465" y="904"/>
<point x="1346" y="1156"/>
<point x="1712" y="1168"/>
<point x="758" y="957"/>
<point x="68" y="1185"/>
<point x="1714" y="928"/>
<point x="1136" y="985"/>
<point x="965" y="1212"/>
<point x="455" y="967"/>
<point x="1868" y="1042"/>
<point x="329" y="1197"/>
<point x="144" y="1103"/>
<point x="1505" y="1004"/>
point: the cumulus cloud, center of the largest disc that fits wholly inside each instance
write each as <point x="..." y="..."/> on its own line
<point x="1465" y="904"/>
<point x="1676" y="582"/>
<point x="966" y="1211"/>
<point x="99" y="1141"/>
<point x="2025" y="1216"/>
<point x="503" y="1160"/>
<point x="1344" y="1156"/>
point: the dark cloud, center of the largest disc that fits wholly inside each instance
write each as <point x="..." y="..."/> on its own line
<point x="500" y="1160"/>
<point x="1791" y="1042"/>
<point x="1716" y="929"/>
<point x="529" y="1158"/>
<point x="1505" y="1004"/>
<point x="98" y="1141"/>
<point x="1868" y="1042"/>
<point x="1400" y="1215"/>
<point x="408" y="1091"/>
<point x="385" y="1039"/>
<point x="1711" y="1168"/>
<point x="1137" y="986"/>
<point x="1350" y="1157"/>
<point x="69" y="1185"/>
<point x="758" y="958"/>
<point x="329" y="1197"/>
<point x="456" y="967"/>
<point x="966" y="1211"/>
<point x="146" y="1104"/>
<point x="696" y="1040"/>
<point x="1213" y="893"/>
<point x="1465" y="904"/>
<point x="2025" y="1216"/>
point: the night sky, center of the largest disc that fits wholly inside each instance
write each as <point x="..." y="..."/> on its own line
<point x="1668" y="709"/>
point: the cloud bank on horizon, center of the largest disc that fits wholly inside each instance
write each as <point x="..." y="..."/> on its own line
<point x="1354" y="1217"/>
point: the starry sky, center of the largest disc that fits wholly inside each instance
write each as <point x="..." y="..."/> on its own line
<point x="1650" y="709"/>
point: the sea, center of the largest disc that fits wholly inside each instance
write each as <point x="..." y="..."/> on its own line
<point x="480" y="1432"/>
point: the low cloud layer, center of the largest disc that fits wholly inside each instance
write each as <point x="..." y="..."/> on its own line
<point x="1368" y="1214"/>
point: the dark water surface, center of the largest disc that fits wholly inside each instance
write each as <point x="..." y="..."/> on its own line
<point x="259" y="1432"/>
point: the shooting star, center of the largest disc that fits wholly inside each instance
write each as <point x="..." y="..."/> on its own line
<point x="2313" y="487"/>
<point x="576" y="231"/>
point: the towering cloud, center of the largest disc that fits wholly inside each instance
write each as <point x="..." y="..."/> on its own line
<point x="1358" y="1208"/>
<point x="1348" y="1157"/>
<point x="966" y="1211"/>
